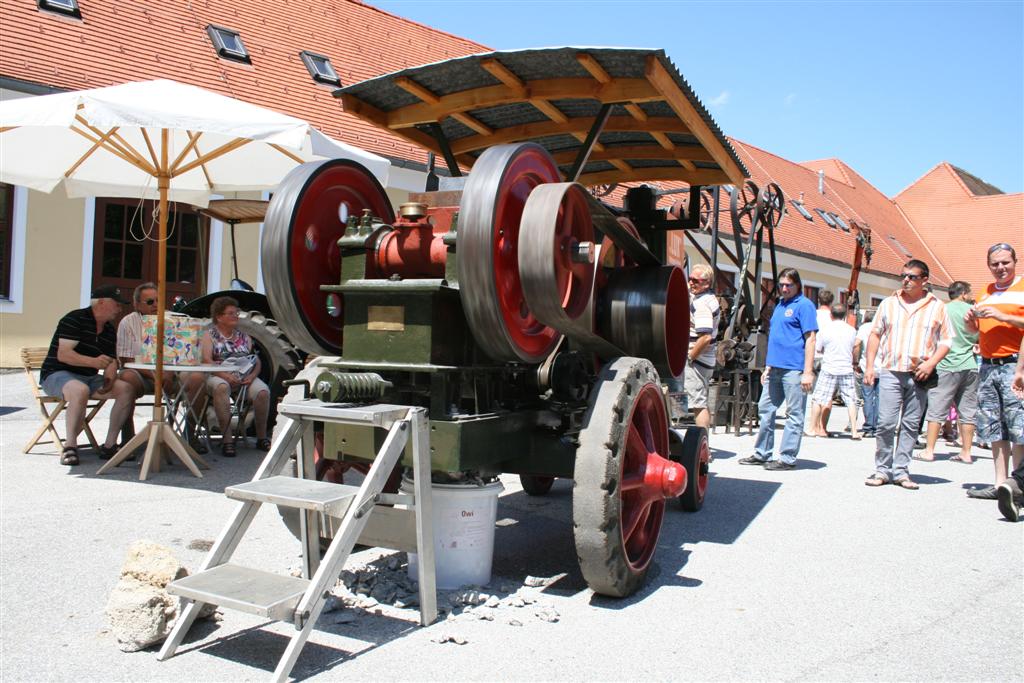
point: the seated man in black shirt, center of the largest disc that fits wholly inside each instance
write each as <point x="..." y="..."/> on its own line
<point x="84" y="346"/>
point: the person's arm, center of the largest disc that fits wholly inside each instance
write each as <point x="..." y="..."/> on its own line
<point x="943" y="344"/>
<point x="807" y="378"/>
<point x="858" y="349"/>
<point x="1018" y="375"/>
<point x="874" y="339"/>
<point x="697" y="347"/>
<point x="994" y="313"/>
<point x="66" y="354"/>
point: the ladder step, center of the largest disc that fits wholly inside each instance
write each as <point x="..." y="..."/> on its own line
<point x="305" y="494"/>
<point x="244" y="589"/>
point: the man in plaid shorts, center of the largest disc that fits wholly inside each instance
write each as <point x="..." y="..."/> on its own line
<point x="998" y="317"/>
<point x="835" y="344"/>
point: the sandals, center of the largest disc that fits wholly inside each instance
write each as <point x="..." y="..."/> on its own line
<point x="876" y="479"/>
<point x="106" y="452"/>
<point x="957" y="458"/>
<point x="906" y="483"/>
<point x="69" y="456"/>
<point x="227" y="449"/>
<point x="263" y="445"/>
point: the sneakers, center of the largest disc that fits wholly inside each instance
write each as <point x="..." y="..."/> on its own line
<point x="1009" y="496"/>
<point x="752" y="460"/>
<point x="987" y="493"/>
<point x="779" y="465"/>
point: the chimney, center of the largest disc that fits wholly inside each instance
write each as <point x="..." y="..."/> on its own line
<point x="821" y="182"/>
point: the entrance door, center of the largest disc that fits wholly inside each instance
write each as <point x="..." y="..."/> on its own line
<point x="125" y="247"/>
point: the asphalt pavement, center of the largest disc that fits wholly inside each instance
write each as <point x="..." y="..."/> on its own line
<point x="792" y="575"/>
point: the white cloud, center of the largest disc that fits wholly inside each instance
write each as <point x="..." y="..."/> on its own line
<point x="721" y="100"/>
<point x="789" y="99"/>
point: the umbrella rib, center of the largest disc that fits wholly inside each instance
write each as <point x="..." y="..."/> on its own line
<point x="297" y="159"/>
<point x="127" y="147"/>
<point x="96" y="145"/>
<point x="128" y="153"/>
<point x="149" y="145"/>
<point x="192" y="140"/>
<point x="115" y="151"/>
<point x="210" y="156"/>
<point x="7" y="128"/>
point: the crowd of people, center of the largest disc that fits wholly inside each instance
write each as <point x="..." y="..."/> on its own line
<point x="87" y="359"/>
<point x="921" y="364"/>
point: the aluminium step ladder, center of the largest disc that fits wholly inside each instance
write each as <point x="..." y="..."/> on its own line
<point x="365" y="517"/>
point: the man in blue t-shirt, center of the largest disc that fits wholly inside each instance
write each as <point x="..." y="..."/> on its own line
<point x="788" y="375"/>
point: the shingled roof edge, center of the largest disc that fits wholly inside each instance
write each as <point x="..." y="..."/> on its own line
<point x="417" y="23"/>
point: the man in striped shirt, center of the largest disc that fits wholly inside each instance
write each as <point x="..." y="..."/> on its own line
<point x="704" y="316"/>
<point x="911" y="335"/>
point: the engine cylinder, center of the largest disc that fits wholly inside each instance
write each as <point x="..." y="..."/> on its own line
<point x="412" y="249"/>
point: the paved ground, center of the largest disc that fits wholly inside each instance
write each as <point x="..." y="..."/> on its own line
<point x="797" y="575"/>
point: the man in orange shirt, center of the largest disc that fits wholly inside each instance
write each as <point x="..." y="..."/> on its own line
<point x="998" y="317"/>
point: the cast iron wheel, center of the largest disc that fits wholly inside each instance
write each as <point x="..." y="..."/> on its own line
<point x="488" y="248"/>
<point x="617" y="512"/>
<point x="695" y="456"/>
<point x="300" y="250"/>
<point x="536" y="486"/>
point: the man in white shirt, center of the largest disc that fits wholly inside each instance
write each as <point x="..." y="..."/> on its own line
<point x="704" y="317"/>
<point x="835" y="343"/>
<point x="860" y="347"/>
<point x="129" y="347"/>
<point x="824" y="315"/>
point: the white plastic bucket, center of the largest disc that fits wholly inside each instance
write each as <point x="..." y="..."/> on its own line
<point x="464" y="517"/>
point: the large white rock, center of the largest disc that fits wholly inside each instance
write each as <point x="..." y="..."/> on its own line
<point x="139" y="614"/>
<point x="151" y="563"/>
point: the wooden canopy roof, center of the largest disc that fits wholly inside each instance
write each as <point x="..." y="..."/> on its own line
<point x="656" y="127"/>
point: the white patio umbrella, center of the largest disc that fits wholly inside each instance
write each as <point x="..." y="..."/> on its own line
<point x="159" y="140"/>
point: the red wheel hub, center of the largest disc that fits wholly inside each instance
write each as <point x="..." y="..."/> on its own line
<point x="648" y="477"/>
<point x="335" y="193"/>
<point x="527" y="170"/>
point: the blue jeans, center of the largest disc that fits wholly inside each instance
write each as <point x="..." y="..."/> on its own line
<point x="870" y="406"/>
<point x="783" y="386"/>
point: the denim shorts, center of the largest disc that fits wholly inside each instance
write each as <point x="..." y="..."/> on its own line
<point x="54" y="383"/>
<point x="1000" y="412"/>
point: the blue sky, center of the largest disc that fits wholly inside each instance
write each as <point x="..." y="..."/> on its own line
<point x="891" y="88"/>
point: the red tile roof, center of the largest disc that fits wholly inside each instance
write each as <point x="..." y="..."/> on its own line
<point x="117" y="42"/>
<point x="961" y="217"/>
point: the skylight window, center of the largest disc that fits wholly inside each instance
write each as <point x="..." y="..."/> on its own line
<point x="826" y="217"/>
<point x="319" y="67"/>
<point x="839" y="221"/>
<point x="66" y="7"/>
<point x="906" y="252"/>
<point x="799" y="206"/>
<point x="228" y="43"/>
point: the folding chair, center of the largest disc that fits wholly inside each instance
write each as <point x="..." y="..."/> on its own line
<point x="207" y="421"/>
<point x="32" y="358"/>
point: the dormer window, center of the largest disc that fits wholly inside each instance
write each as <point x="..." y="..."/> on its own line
<point x="228" y="44"/>
<point x="319" y="67"/>
<point x="68" y="8"/>
<point x="826" y="217"/>
<point x="839" y="221"/>
<point x="799" y="206"/>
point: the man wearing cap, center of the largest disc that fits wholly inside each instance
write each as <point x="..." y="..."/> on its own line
<point x="81" y="364"/>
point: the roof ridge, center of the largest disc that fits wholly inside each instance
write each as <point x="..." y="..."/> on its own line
<point x="951" y="169"/>
<point x="934" y="257"/>
<point x="840" y="164"/>
<point x="413" y="21"/>
<point x="919" y="179"/>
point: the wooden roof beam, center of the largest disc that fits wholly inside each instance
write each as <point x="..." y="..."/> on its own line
<point x="662" y="80"/>
<point x="368" y="112"/>
<point x="692" y="153"/>
<point x="588" y="62"/>
<point x="503" y="74"/>
<point x="701" y="176"/>
<point x="619" y="90"/>
<point x="576" y="126"/>
<point x="425" y="95"/>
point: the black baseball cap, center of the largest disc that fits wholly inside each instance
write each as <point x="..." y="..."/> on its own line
<point x="108" y="292"/>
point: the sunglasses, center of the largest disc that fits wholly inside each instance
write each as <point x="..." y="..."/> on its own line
<point x="697" y="279"/>
<point x="149" y="302"/>
<point x="911" y="276"/>
<point x="787" y="284"/>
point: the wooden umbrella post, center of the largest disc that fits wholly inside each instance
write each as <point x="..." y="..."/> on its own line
<point x="158" y="432"/>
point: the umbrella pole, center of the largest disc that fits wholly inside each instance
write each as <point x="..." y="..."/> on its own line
<point x="159" y="433"/>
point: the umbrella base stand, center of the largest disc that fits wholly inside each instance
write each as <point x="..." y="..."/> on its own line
<point x="157" y="435"/>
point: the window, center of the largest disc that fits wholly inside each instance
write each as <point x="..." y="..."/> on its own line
<point x="826" y="217"/>
<point x="125" y="247"/>
<point x="876" y="300"/>
<point x="6" y="238"/>
<point x="228" y="44"/>
<point x="839" y="221"/>
<point x="899" y="245"/>
<point x="66" y="7"/>
<point x="799" y="206"/>
<point x="811" y="292"/>
<point x="320" y="68"/>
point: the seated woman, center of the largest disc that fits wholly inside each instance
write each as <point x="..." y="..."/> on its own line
<point x="222" y="342"/>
